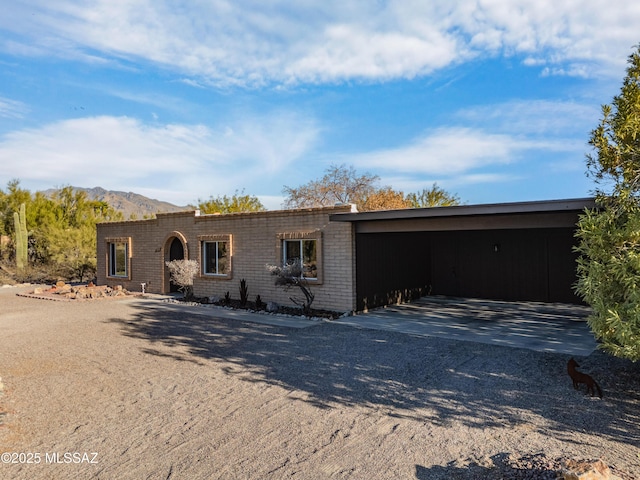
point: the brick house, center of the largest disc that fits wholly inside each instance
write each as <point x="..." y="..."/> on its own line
<point x="232" y="247"/>
<point x="355" y="261"/>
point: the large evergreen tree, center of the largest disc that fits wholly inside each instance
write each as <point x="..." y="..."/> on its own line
<point x="609" y="236"/>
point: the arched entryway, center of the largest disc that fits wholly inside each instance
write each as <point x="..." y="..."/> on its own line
<point x="175" y="248"/>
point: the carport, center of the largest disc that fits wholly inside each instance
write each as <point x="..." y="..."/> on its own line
<point x="510" y="251"/>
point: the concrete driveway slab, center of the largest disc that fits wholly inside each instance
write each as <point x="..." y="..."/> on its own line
<point x="543" y="327"/>
<point x="164" y="303"/>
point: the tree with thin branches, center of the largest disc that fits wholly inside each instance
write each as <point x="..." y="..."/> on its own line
<point x="182" y="274"/>
<point x="339" y="185"/>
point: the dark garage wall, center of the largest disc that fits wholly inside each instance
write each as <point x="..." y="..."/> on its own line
<point x="509" y="264"/>
<point x="392" y="267"/>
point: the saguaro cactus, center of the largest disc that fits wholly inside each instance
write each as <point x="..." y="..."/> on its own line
<point x="20" y="220"/>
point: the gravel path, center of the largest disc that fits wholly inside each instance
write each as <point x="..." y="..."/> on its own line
<point x="165" y="395"/>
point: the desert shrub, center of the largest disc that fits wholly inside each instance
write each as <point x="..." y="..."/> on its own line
<point x="244" y="292"/>
<point x="290" y="276"/>
<point x="259" y="303"/>
<point x="182" y="273"/>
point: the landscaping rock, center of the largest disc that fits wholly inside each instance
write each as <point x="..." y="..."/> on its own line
<point x="63" y="291"/>
<point x="586" y="470"/>
<point x="82" y="292"/>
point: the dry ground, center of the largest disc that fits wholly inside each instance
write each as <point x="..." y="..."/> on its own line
<point x="161" y="395"/>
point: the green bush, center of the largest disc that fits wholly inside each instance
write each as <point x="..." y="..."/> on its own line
<point x="609" y="237"/>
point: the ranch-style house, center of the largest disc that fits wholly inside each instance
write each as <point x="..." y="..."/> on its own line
<point x="355" y="261"/>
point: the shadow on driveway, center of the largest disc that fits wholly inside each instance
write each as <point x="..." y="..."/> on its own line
<point x="543" y="327"/>
<point x="428" y="379"/>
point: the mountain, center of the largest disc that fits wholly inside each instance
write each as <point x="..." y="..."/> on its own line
<point x="129" y="203"/>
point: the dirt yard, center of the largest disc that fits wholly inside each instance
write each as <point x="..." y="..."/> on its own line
<point x="103" y="389"/>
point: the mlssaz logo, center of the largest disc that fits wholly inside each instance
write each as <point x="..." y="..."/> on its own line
<point x="71" y="457"/>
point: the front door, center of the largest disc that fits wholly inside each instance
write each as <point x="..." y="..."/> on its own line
<point x="176" y="252"/>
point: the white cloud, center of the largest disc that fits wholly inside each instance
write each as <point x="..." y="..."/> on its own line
<point x="349" y="51"/>
<point x="444" y="151"/>
<point x="253" y="43"/>
<point x="487" y="144"/>
<point x="183" y="162"/>
<point x="412" y="183"/>
<point x="147" y="98"/>
<point x="12" y="108"/>
<point x="533" y="117"/>
<point x="99" y="148"/>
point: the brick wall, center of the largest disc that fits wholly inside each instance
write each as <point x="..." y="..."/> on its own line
<point x="256" y="240"/>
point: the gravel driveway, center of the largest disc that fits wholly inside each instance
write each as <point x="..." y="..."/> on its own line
<point x="106" y="389"/>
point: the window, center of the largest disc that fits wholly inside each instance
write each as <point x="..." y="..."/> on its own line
<point x="215" y="257"/>
<point x="118" y="259"/>
<point x="303" y="252"/>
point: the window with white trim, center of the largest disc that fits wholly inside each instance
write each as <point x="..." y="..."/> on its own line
<point x="215" y="257"/>
<point x="304" y="253"/>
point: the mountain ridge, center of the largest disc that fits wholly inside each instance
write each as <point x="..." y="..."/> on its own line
<point x="132" y="205"/>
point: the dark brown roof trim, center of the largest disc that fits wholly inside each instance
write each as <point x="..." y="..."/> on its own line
<point x="567" y="205"/>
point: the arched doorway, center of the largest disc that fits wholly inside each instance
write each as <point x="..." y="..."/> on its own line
<point x="175" y="248"/>
<point x="176" y="252"/>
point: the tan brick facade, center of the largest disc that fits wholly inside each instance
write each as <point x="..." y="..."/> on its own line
<point x="255" y="240"/>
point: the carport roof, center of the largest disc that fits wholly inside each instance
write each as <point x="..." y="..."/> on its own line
<point x="543" y="206"/>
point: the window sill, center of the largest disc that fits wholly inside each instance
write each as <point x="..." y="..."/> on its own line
<point x="213" y="276"/>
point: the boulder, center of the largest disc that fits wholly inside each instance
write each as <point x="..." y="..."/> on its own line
<point x="63" y="289"/>
<point x="586" y="470"/>
<point x="81" y="292"/>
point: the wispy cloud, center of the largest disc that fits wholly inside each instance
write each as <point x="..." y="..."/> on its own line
<point x="486" y="144"/>
<point x="444" y="151"/>
<point x="12" y="108"/>
<point x="253" y="43"/>
<point x="416" y="183"/>
<point x="533" y="117"/>
<point x="186" y="161"/>
<point x="159" y="100"/>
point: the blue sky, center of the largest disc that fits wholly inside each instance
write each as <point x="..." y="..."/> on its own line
<point x="182" y="100"/>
